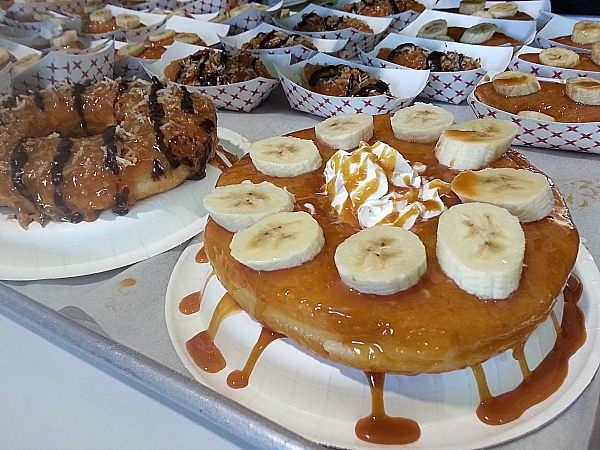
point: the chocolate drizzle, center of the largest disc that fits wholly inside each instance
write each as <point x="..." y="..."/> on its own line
<point x="434" y="61"/>
<point x="61" y="206"/>
<point x="39" y="101"/>
<point x="157" y="113"/>
<point x="120" y="206"/>
<point x="109" y="141"/>
<point x="187" y="102"/>
<point x="406" y="46"/>
<point x="77" y="93"/>
<point x="63" y="153"/>
<point x="18" y="160"/>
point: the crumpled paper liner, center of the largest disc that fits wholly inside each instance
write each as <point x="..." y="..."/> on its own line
<point x="523" y="31"/>
<point x="557" y="26"/>
<point x="577" y="137"/>
<point x="151" y="22"/>
<point x="357" y="40"/>
<point x="449" y="87"/>
<point x="243" y="97"/>
<point x="404" y="90"/>
<point x="205" y="6"/>
<point x="399" y="21"/>
<point x="543" y="71"/>
<point x="297" y="52"/>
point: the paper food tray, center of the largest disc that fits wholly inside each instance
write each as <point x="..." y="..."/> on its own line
<point x="523" y="31"/>
<point x="209" y="32"/>
<point x="6" y="79"/>
<point x="449" y="87"/>
<point x="557" y="26"/>
<point x="24" y="8"/>
<point x="244" y="96"/>
<point x="253" y="17"/>
<point x="150" y="22"/>
<point x="297" y="52"/>
<point x="532" y="8"/>
<point x="205" y="6"/>
<point x="37" y="25"/>
<point x="147" y="6"/>
<point x="543" y="71"/>
<point x="404" y="89"/>
<point x="399" y="21"/>
<point x="356" y="39"/>
<point x="577" y="137"/>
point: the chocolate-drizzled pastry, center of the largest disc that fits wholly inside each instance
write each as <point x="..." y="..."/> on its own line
<point x="343" y="81"/>
<point x="313" y="22"/>
<point x="210" y="67"/>
<point x="383" y="8"/>
<point x="417" y="57"/>
<point x="277" y="39"/>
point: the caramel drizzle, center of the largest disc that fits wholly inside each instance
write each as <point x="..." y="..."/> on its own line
<point x="239" y="378"/>
<point x="547" y="377"/>
<point x="201" y="257"/>
<point x="378" y="427"/>
<point x="218" y="162"/>
<point x="202" y="346"/>
<point x="190" y="304"/>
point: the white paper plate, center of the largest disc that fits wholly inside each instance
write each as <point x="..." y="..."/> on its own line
<point x="152" y="226"/>
<point x="322" y="401"/>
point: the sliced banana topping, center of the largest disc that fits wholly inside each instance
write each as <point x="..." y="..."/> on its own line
<point x="559" y="57"/>
<point x="26" y="62"/>
<point x="481" y="247"/>
<point x="127" y="21"/>
<point x="475" y="143"/>
<point x="504" y="10"/>
<point x="4" y="56"/>
<point x="345" y="131"/>
<point x="101" y="15"/>
<point x="161" y="35"/>
<point x="586" y="32"/>
<point x="515" y="84"/>
<point x="421" y="122"/>
<point x="471" y="6"/>
<point x="131" y="49"/>
<point x="583" y="90"/>
<point x="285" y="156"/>
<point x="595" y="56"/>
<point x="280" y="241"/>
<point x="238" y="206"/>
<point x="484" y="14"/>
<point x="381" y="260"/>
<point x="536" y="115"/>
<point x="433" y="29"/>
<point x="523" y="193"/>
<point x="68" y="37"/>
<point x="478" y="34"/>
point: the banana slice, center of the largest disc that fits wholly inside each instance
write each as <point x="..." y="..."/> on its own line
<point x="188" y="38"/>
<point x="421" y="122"/>
<point x="523" y="193"/>
<point x="131" y="49"/>
<point x="68" y="37"/>
<point x="475" y="143"/>
<point x="161" y="35"/>
<point x="433" y="29"/>
<point x="280" y="241"/>
<point x="559" y="57"/>
<point x="42" y="16"/>
<point x="484" y="14"/>
<point x="381" y="260"/>
<point x="101" y="15"/>
<point x="586" y="32"/>
<point x="4" y="56"/>
<point x="504" y="10"/>
<point x="127" y="21"/>
<point x="238" y="206"/>
<point x="26" y="62"/>
<point x="282" y="156"/>
<point x="481" y="247"/>
<point x="536" y="115"/>
<point x="345" y="131"/>
<point x="478" y="34"/>
<point x="583" y="90"/>
<point x="595" y="56"/>
<point x="515" y="84"/>
<point x="470" y="7"/>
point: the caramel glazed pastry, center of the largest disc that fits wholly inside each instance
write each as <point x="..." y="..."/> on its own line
<point x="421" y="58"/>
<point x="383" y="8"/>
<point x="70" y="152"/>
<point x="312" y="22"/>
<point x="210" y="67"/>
<point x="342" y="81"/>
<point x="277" y="39"/>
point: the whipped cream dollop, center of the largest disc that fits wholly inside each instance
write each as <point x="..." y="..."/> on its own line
<point x="376" y="185"/>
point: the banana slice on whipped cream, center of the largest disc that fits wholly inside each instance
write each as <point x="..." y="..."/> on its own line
<point x="238" y="206"/>
<point x="280" y="241"/>
<point x="381" y="260"/>
<point x="523" y="193"/>
<point x="474" y="143"/>
<point x="481" y="247"/>
<point x="282" y="156"/>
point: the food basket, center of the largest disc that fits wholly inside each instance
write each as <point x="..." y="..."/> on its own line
<point x="543" y="71"/>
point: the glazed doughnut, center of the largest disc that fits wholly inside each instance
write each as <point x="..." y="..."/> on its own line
<point x="70" y="152"/>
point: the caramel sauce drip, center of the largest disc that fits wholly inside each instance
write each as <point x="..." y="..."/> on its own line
<point x="550" y="99"/>
<point x="127" y="282"/>
<point x="190" y="304"/>
<point x="566" y="40"/>
<point x="239" y="378"/>
<point x="585" y="61"/>
<point x="545" y="379"/>
<point x="201" y="257"/>
<point x="218" y="161"/>
<point x="202" y="346"/>
<point x="378" y="427"/>
<point x="555" y="322"/>
<point x="518" y="354"/>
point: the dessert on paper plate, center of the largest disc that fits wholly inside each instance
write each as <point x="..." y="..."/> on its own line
<point x="401" y="244"/>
